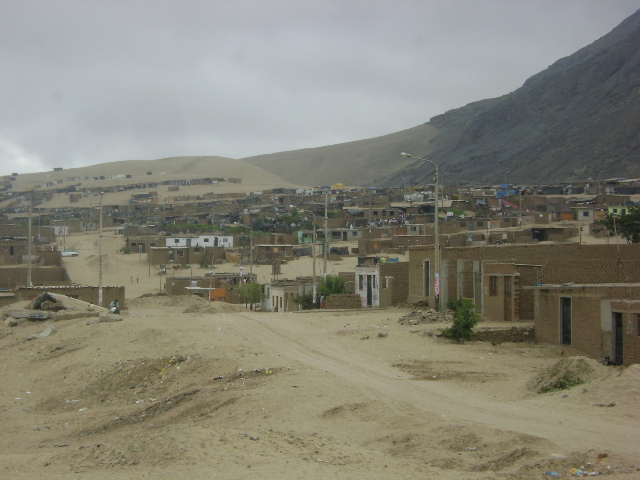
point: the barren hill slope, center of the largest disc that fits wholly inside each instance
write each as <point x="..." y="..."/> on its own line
<point x="577" y="119"/>
<point x="173" y="168"/>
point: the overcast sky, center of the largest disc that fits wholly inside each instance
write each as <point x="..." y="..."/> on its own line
<point x="86" y="81"/>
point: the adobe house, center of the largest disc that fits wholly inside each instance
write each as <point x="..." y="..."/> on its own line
<point x="602" y="320"/>
<point x="501" y="292"/>
<point x="270" y="253"/>
<point x="280" y="296"/>
<point x="142" y="243"/>
<point x="381" y="284"/>
<point x="214" y="287"/>
<point x="186" y="255"/>
<point x="463" y="269"/>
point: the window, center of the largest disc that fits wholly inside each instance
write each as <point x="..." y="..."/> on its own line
<point x="206" y="239"/>
<point x="493" y="286"/>
<point x="638" y="323"/>
<point x="585" y="213"/>
<point x="176" y="241"/>
<point x="180" y="253"/>
<point x="360" y="282"/>
<point x="507" y="286"/>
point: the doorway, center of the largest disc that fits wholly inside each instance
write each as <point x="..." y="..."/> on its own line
<point x="565" y="320"/>
<point x="618" y="345"/>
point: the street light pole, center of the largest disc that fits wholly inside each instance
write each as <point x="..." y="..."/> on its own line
<point x="325" y="251"/>
<point x="100" y="256"/>
<point x="437" y="233"/>
<point x="313" y="256"/>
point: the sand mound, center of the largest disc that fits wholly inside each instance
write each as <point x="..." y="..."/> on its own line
<point x="158" y="301"/>
<point x="212" y="308"/>
<point x="620" y="386"/>
<point x="567" y="373"/>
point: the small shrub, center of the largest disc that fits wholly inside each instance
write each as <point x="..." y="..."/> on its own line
<point x="305" y="301"/>
<point x="565" y="382"/>
<point x="465" y="318"/>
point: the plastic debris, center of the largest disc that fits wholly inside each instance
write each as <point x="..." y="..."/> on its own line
<point x="553" y="474"/>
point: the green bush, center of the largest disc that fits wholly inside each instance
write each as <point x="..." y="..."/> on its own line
<point x="565" y="382"/>
<point x="465" y="318"/>
<point x="250" y="293"/>
<point x="332" y="284"/>
<point x="305" y="301"/>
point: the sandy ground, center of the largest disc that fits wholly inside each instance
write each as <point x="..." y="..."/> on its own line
<point x="187" y="389"/>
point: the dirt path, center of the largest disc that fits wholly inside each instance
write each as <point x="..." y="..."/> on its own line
<point x="439" y="401"/>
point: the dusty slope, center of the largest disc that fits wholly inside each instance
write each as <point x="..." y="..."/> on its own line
<point x="311" y="395"/>
<point x="186" y="389"/>
<point x="363" y="162"/>
<point x="173" y="168"/>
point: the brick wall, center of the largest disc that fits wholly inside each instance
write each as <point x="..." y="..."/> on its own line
<point x="11" y="277"/>
<point x="87" y="294"/>
<point x="511" y="334"/>
<point x="398" y="288"/>
<point x="630" y="310"/>
<point x="343" y="301"/>
<point x="558" y="271"/>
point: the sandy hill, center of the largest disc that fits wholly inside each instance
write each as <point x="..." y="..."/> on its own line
<point x="363" y="162"/>
<point x="576" y="119"/>
<point x="173" y="168"/>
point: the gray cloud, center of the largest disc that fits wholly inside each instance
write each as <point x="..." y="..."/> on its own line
<point x="92" y="81"/>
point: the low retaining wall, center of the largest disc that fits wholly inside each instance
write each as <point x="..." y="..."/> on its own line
<point x="507" y="334"/>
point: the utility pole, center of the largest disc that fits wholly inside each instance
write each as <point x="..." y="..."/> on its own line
<point x="251" y="255"/>
<point x="313" y="256"/>
<point x="29" y="247"/>
<point x="326" y="240"/>
<point x="437" y="287"/>
<point x="100" y="256"/>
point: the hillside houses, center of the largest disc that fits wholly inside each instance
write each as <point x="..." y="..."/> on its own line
<point x="502" y="247"/>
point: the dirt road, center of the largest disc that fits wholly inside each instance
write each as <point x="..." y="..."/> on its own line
<point x="439" y="402"/>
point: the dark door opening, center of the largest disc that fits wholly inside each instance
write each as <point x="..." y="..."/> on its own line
<point x="618" y="353"/>
<point x="565" y="320"/>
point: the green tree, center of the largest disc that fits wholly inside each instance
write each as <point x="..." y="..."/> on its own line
<point x="627" y="225"/>
<point x="332" y="284"/>
<point x="305" y="301"/>
<point x="465" y="318"/>
<point x="250" y="293"/>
